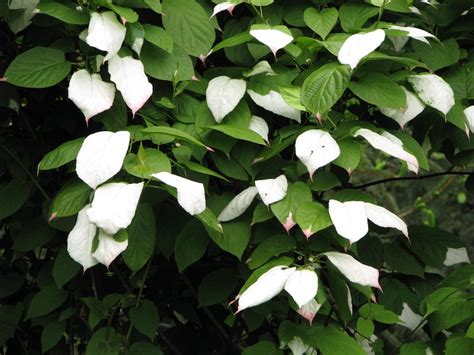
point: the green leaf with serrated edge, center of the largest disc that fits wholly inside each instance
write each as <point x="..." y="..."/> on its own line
<point x="38" y="67"/>
<point x="64" y="13"/>
<point x="312" y="217"/>
<point x="145" y="318"/>
<point x="159" y="37"/>
<point x="63" y="154"/>
<point x="323" y="88"/>
<point x="173" y="132"/>
<point x="353" y="16"/>
<point x="438" y="55"/>
<point x="321" y="22"/>
<point x="161" y="65"/>
<point x="379" y="90"/>
<point x="269" y="248"/>
<point x="70" y="200"/>
<point x="233" y="41"/>
<point x="141" y="238"/>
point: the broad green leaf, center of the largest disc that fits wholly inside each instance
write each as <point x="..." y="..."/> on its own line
<point x="459" y="343"/>
<point x="46" y="301"/>
<point x="235" y="237"/>
<point x="332" y="341"/>
<point x="173" y="132"/>
<point x="285" y="210"/>
<point x="52" y="334"/>
<point x="401" y="260"/>
<point x="143" y="348"/>
<point x="198" y="168"/>
<point x="70" y="200"/>
<point x="39" y="67"/>
<point x="321" y="22"/>
<point x="379" y="90"/>
<point x="64" y="13"/>
<point x="189" y="25"/>
<point x="379" y="313"/>
<point x="264" y="346"/>
<point x="191" y="244"/>
<point x="155" y="5"/>
<point x="269" y="248"/>
<point x="312" y="217"/>
<point x="209" y="220"/>
<point x="354" y="15"/>
<point x="161" y="65"/>
<point x="323" y="88"/>
<point x="64" y="268"/>
<point x="104" y="341"/>
<point x="341" y="293"/>
<point x="159" y="37"/>
<point x="145" y="318"/>
<point x="438" y="55"/>
<point x="216" y="287"/>
<point x="36" y="233"/>
<point x="141" y="238"/>
<point x="451" y="315"/>
<point x="238" y="133"/>
<point x="233" y="41"/>
<point x="10" y="317"/>
<point x="16" y="192"/>
<point x="147" y="162"/>
<point x="61" y="155"/>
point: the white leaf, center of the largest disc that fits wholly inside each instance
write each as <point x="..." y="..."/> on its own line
<point x="349" y="299"/>
<point x="272" y="38"/>
<point x="456" y="256"/>
<point x="272" y="190"/>
<point x="433" y="91"/>
<point x="259" y="126"/>
<point x="226" y="5"/>
<point x="129" y="76"/>
<point x="190" y="193"/>
<point x="316" y="148"/>
<point x="274" y="102"/>
<point x="106" y="33"/>
<point x="108" y="248"/>
<point x="302" y="286"/>
<point x="262" y="67"/>
<point x="80" y="238"/>
<point x="405" y="114"/>
<point x="384" y="218"/>
<point x="114" y="206"/>
<point x="309" y="310"/>
<point x="413" y="32"/>
<point x="469" y="113"/>
<point x="297" y="346"/>
<point x="358" y="46"/>
<point x="101" y="156"/>
<point x="238" y="204"/>
<point x="22" y="18"/>
<point x="267" y="286"/>
<point x="389" y="144"/>
<point x="349" y="219"/>
<point x="408" y="318"/>
<point x="90" y="94"/>
<point x="353" y="270"/>
<point x="223" y="94"/>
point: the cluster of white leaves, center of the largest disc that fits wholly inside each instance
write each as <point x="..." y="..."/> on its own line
<point x="190" y="194"/>
<point x="113" y="206"/>
<point x="351" y="218"/>
<point x="269" y="190"/>
<point x="315" y="149"/>
<point x="301" y="285"/>
<point x="88" y="91"/>
<point x="403" y="115"/>
<point x="389" y="144"/>
<point x="358" y="46"/>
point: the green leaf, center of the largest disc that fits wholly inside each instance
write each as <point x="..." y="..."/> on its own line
<point x="321" y="22"/>
<point x="401" y="260"/>
<point x="216" y="287"/>
<point x="312" y="217"/>
<point x="379" y="90"/>
<point x="269" y="248"/>
<point x="52" y="334"/>
<point x="141" y="238"/>
<point x="64" y="13"/>
<point x="458" y="343"/>
<point x="189" y="25"/>
<point x="238" y="133"/>
<point x="235" y="237"/>
<point x="451" y="315"/>
<point x="11" y="282"/>
<point x="198" y="168"/>
<point x="285" y="210"/>
<point x="459" y="278"/>
<point x="261" y="213"/>
<point x="416" y="348"/>
<point x="70" y="200"/>
<point x="64" y="268"/>
<point x="36" y="233"/>
<point x="16" y="192"/>
<point x="438" y="55"/>
<point x="379" y="313"/>
<point x="457" y="117"/>
<point x="233" y="41"/>
<point x="173" y="132"/>
<point x="128" y="14"/>
<point x="323" y="88"/>
<point x="10" y="317"/>
<point x="209" y="220"/>
<point x="104" y="341"/>
<point x="341" y="293"/>
<point x="155" y="5"/>
<point x="145" y="318"/>
<point x="46" y="301"/>
<point x="191" y="244"/>
<point x="324" y="181"/>
<point x="63" y="154"/>
<point x="365" y="327"/>
<point x="39" y="67"/>
<point x="159" y="37"/>
<point x="332" y="341"/>
<point x="264" y="346"/>
<point x="413" y="147"/>
<point x="148" y="161"/>
<point x="354" y="15"/>
<point x="161" y="65"/>
<point x="142" y="348"/>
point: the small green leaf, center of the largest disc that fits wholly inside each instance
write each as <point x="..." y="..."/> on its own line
<point x="191" y="244"/>
<point x="150" y="161"/>
<point x="52" y="334"/>
<point x="64" y="268"/>
<point x="216" y="287"/>
<point x="321" y="22"/>
<point x="38" y="67"/>
<point x="70" y="200"/>
<point x="143" y="348"/>
<point x="104" y="341"/>
<point x="379" y="90"/>
<point x="269" y="248"/>
<point x="159" y="37"/>
<point x="63" y="154"/>
<point x="46" y="301"/>
<point x="238" y="133"/>
<point x="64" y="13"/>
<point x="173" y="132"/>
<point x="16" y="192"/>
<point x="312" y="217"/>
<point x="145" y="318"/>
<point x="354" y="15"/>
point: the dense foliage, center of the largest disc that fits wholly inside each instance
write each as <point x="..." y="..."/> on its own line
<point x="195" y="176"/>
